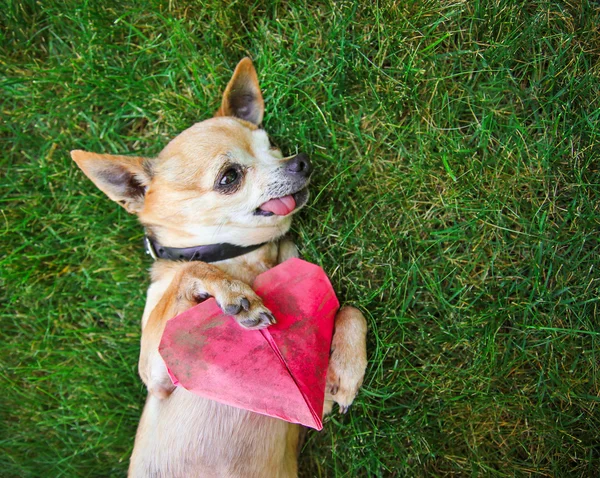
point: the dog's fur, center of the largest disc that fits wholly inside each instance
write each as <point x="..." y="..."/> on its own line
<point x="181" y="202"/>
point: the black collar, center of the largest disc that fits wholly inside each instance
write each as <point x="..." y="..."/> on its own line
<point x="208" y="253"/>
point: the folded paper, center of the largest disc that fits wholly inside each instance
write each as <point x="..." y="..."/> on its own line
<point x="279" y="371"/>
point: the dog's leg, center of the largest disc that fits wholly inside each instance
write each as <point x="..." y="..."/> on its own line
<point x="193" y="283"/>
<point x="287" y="250"/>
<point x="348" y="359"/>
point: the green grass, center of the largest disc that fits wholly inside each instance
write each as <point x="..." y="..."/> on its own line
<point x="456" y="201"/>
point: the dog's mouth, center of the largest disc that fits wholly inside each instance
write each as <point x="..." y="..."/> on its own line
<point x="284" y="205"/>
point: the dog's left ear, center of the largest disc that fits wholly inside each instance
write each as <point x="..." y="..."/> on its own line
<point x="124" y="179"/>
<point x="242" y="97"/>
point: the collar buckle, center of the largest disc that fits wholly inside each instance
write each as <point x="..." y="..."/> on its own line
<point x="150" y="248"/>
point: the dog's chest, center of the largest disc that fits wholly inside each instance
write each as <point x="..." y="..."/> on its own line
<point x="247" y="267"/>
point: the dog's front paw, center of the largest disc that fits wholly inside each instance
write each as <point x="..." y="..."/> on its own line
<point x="348" y="359"/>
<point x="238" y="299"/>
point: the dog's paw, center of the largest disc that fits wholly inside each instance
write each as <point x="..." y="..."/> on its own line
<point x="348" y="359"/>
<point x="238" y="300"/>
<point x="344" y="377"/>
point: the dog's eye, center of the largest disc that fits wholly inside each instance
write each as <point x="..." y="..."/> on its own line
<point x="229" y="177"/>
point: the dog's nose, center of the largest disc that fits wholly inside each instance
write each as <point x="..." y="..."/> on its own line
<point x="300" y="165"/>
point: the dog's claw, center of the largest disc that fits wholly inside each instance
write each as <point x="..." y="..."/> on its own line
<point x="268" y="316"/>
<point x="198" y="298"/>
<point x="263" y="320"/>
<point x="344" y="408"/>
<point x="251" y="322"/>
<point x="232" y="309"/>
<point x="237" y="299"/>
<point x="248" y="322"/>
<point x="245" y="304"/>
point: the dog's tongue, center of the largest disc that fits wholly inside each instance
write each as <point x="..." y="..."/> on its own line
<point x="280" y="206"/>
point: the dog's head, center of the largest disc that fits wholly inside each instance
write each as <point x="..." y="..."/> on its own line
<point x="219" y="181"/>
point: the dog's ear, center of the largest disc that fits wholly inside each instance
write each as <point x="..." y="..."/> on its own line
<point x="242" y="97"/>
<point x="124" y="179"/>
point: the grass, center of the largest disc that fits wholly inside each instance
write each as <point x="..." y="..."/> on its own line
<point x="456" y="201"/>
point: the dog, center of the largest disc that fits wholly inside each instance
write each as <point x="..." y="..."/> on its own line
<point x="216" y="205"/>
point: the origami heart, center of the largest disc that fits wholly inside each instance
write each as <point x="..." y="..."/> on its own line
<point x="279" y="371"/>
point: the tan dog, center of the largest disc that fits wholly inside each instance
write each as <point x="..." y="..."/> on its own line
<point x="219" y="183"/>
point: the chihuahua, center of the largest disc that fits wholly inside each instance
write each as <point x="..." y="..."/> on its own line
<point x="216" y="205"/>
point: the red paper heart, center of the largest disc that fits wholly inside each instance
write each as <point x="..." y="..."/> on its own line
<point x="279" y="371"/>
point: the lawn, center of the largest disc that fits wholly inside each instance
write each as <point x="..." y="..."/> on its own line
<point x="456" y="201"/>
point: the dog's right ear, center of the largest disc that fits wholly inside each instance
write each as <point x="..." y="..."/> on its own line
<point x="242" y="97"/>
<point x="124" y="179"/>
